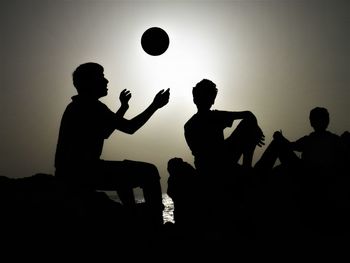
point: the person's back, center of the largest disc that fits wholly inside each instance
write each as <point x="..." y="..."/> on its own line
<point x="321" y="150"/>
<point x="84" y="127"/>
<point x="205" y="138"/>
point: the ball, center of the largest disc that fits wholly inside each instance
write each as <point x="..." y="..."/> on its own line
<point x="155" y="41"/>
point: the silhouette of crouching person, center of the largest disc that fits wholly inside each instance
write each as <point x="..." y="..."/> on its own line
<point x="182" y="189"/>
<point x="86" y="123"/>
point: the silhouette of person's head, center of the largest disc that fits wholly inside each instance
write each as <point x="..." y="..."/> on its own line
<point x="204" y="94"/>
<point x="89" y="80"/>
<point x="173" y="164"/>
<point x="319" y="118"/>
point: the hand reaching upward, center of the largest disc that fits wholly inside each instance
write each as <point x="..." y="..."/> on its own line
<point x="161" y="98"/>
<point x="124" y="97"/>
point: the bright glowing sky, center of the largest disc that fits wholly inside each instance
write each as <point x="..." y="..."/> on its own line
<point x="278" y="59"/>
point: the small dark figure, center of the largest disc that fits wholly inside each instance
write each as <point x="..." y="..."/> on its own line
<point x="86" y="123"/>
<point x="322" y="152"/>
<point x="316" y="173"/>
<point x="182" y="187"/>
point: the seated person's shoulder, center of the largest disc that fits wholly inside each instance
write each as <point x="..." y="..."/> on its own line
<point x="333" y="137"/>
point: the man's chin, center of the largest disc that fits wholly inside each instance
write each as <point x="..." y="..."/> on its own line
<point x="103" y="95"/>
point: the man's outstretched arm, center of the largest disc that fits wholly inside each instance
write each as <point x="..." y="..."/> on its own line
<point x="132" y="125"/>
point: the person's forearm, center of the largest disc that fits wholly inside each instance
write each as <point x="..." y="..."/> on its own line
<point x="237" y="115"/>
<point x="138" y="121"/>
<point x="122" y="110"/>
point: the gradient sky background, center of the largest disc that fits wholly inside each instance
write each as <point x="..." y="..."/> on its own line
<point x="278" y="59"/>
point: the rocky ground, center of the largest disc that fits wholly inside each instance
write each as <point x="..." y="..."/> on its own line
<point x="42" y="214"/>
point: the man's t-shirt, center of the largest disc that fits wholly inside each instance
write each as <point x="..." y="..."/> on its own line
<point x="84" y="126"/>
<point x="204" y="134"/>
<point x="322" y="150"/>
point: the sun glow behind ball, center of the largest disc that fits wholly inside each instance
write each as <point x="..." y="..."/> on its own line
<point x="185" y="62"/>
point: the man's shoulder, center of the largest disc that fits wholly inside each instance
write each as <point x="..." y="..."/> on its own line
<point x="325" y="137"/>
<point x="325" y="134"/>
<point x="332" y="134"/>
<point x="86" y="102"/>
<point x="190" y="121"/>
<point x="82" y="106"/>
<point x="210" y="116"/>
<point x="221" y="113"/>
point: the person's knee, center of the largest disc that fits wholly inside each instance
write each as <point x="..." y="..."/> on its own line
<point x="245" y="128"/>
<point x="151" y="172"/>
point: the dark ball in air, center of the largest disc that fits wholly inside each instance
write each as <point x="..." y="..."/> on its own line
<point x="155" y="41"/>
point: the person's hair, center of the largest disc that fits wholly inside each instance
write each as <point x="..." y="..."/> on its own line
<point x="85" y="73"/>
<point x="319" y="118"/>
<point x="205" y="89"/>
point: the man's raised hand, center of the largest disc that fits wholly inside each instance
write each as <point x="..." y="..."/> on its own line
<point x="161" y="98"/>
<point x="124" y="97"/>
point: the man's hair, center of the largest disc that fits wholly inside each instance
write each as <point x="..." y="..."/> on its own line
<point x="205" y="89"/>
<point x="85" y="73"/>
<point x="319" y="118"/>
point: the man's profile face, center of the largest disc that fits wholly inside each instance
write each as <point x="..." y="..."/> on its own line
<point x="98" y="85"/>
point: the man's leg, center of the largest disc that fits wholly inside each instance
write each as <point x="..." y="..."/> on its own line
<point x="149" y="180"/>
<point x="123" y="176"/>
<point x="242" y="141"/>
<point x="109" y="176"/>
<point x="277" y="149"/>
<point x="126" y="196"/>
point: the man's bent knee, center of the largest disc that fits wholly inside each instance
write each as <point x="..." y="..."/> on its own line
<point x="150" y="173"/>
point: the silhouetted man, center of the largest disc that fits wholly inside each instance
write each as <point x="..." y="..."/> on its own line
<point x="321" y="151"/>
<point x="216" y="157"/>
<point x="86" y="123"/>
<point x="317" y="173"/>
<point x="204" y="132"/>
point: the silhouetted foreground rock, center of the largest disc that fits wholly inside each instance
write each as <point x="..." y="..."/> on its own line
<point x="282" y="207"/>
<point x="39" y="211"/>
<point x="40" y="208"/>
<point x="40" y="215"/>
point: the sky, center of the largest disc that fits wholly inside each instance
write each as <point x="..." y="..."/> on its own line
<point x="278" y="59"/>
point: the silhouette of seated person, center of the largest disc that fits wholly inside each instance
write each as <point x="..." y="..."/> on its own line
<point x="315" y="173"/>
<point x="182" y="190"/>
<point x="86" y="123"/>
<point x="216" y="158"/>
<point x="204" y="132"/>
<point x="322" y="152"/>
